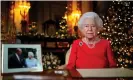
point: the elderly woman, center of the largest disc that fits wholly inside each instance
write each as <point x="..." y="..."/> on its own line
<point x="31" y="61"/>
<point x="90" y="51"/>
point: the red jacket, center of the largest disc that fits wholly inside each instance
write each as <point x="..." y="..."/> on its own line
<point x="81" y="56"/>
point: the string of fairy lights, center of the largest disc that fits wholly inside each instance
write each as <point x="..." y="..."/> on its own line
<point x="118" y="28"/>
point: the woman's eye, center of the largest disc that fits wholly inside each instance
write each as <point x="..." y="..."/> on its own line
<point x="92" y="26"/>
<point x="86" y="25"/>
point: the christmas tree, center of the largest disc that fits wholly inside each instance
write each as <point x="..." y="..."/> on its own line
<point x="63" y="29"/>
<point x="118" y="28"/>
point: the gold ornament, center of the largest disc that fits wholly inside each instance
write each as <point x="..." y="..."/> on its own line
<point x="125" y="65"/>
<point x="122" y="67"/>
<point x="131" y="61"/>
<point x="131" y="49"/>
<point x="128" y="54"/>
<point x="120" y="59"/>
<point x="126" y="61"/>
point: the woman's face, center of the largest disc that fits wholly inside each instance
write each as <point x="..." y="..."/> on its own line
<point x="30" y="56"/>
<point x="89" y="29"/>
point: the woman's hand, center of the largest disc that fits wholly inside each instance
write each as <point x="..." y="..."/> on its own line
<point x="61" y="67"/>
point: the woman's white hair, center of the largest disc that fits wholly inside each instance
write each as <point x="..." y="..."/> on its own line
<point x="94" y="16"/>
<point x="30" y="54"/>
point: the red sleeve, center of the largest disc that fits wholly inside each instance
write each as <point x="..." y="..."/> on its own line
<point x="110" y="55"/>
<point x="72" y="57"/>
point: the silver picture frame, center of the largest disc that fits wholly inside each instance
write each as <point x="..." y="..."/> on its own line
<point x="9" y="50"/>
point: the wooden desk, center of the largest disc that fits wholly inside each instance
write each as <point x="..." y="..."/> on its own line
<point x="55" y="75"/>
<point x="45" y="75"/>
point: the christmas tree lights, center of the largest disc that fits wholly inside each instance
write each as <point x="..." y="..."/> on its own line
<point x="118" y="28"/>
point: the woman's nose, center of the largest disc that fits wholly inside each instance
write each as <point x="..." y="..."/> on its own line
<point x="89" y="28"/>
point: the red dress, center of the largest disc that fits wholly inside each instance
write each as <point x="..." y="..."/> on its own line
<point x="81" y="56"/>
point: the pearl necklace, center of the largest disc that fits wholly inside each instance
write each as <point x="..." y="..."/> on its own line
<point x="92" y="45"/>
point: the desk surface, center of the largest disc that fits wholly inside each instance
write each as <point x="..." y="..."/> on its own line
<point x="108" y="72"/>
<point x="65" y="75"/>
<point x="45" y="75"/>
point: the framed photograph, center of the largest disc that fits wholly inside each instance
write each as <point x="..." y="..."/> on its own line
<point x="21" y="58"/>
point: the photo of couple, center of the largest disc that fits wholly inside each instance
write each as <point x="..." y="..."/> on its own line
<point x="22" y="58"/>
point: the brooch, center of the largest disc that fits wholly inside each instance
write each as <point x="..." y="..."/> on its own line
<point x="80" y="43"/>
